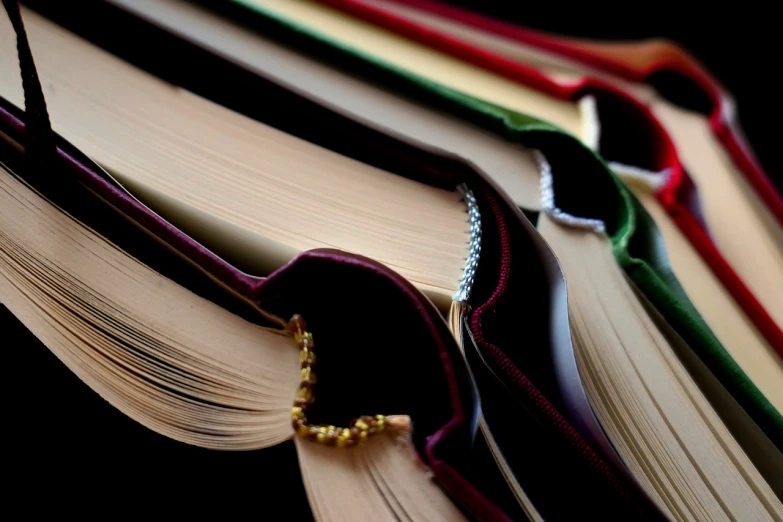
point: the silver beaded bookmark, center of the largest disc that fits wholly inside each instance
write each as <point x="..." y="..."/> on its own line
<point x="474" y="246"/>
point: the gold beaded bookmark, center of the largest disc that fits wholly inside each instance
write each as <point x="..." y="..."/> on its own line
<point x="358" y="430"/>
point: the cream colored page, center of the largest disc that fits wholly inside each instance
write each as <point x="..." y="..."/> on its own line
<point x="426" y="62"/>
<point x="736" y="333"/>
<point x="244" y="175"/>
<point x="508" y="163"/>
<point x="660" y="423"/>
<point x="559" y="68"/>
<point x="382" y="480"/>
<point x="123" y="328"/>
<point x="98" y="309"/>
<point x="528" y="507"/>
<point x="731" y="209"/>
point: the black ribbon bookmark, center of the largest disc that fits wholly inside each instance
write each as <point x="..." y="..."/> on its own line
<point x="39" y="138"/>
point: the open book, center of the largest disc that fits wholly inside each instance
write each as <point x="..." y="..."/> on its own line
<point x="331" y="490"/>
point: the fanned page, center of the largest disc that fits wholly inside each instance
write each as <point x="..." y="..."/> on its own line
<point x="738" y="220"/>
<point x="661" y="425"/>
<point x="510" y="165"/>
<point x="123" y="329"/>
<point x="383" y="474"/>
<point x="522" y="498"/>
<point x="735" y="331"/>
<point x="253" y="194"/>
<point x="183" y="366"/>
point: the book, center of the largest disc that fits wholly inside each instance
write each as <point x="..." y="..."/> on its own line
<point x="650" y="272"/>
<point x="599" y="249"/>
<point x="657" y="156"/>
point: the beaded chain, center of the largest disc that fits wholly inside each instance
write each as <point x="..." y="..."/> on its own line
<point x="357" y="431"/>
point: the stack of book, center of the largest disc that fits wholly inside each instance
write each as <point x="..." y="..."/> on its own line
<point x="380" y="260"/>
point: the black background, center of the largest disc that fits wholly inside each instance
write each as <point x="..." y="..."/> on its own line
<point x="740" y="43"/>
